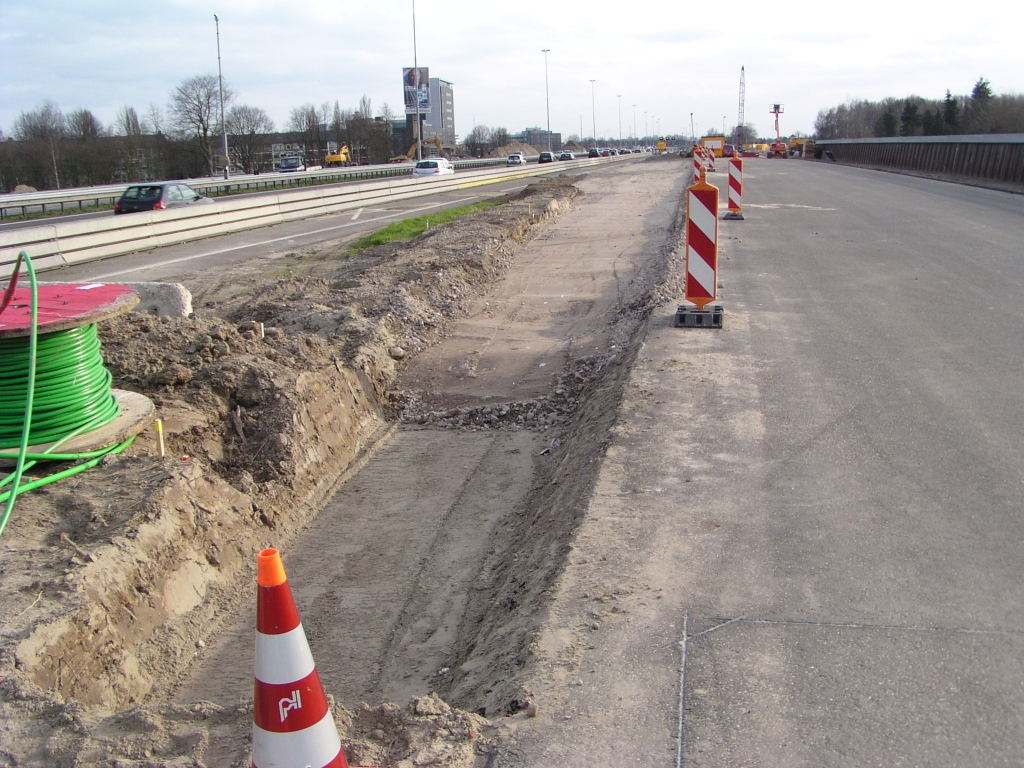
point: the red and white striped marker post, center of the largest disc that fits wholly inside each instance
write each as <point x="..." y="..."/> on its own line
<point x="711" y="160"/>
<point x="735" y="201"/>
<point x="702" y="243"/>
<point x="698" y="168"/>
<point x="292" y="724"/>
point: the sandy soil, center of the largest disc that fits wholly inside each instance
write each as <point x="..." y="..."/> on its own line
<point x="418" y="427"/>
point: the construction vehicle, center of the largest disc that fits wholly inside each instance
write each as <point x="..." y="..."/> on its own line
<point x="714" y="143"/>
<point x="340" y="158"/>
<point x="778" y="147"/>
<point x="410" y="153"/>
<point x="801" y="146"/>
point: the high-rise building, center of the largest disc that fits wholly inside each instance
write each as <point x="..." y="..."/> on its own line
<point x="441" y="120"/>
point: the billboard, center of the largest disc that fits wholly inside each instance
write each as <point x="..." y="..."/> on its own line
<point x="416" y="81"/>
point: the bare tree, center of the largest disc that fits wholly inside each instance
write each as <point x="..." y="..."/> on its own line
<point x="365" y="107"/>
<point x="82" y="125"/>
<point x="311" y="123"/>
<point x="155" y="121"/>
<point x="499" y="138"/>
<point x="134" y="159"/>
<point x="195" y="114"/>
<point x="127" y="122"/>
<point x="248" y="128"/>
<point x="46" y="129"/>
<point x="478" y="141"/>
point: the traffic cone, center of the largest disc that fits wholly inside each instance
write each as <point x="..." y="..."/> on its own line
<point x="292" y="724"/>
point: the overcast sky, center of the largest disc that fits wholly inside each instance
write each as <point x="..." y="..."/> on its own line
<point x="669" y="59"/>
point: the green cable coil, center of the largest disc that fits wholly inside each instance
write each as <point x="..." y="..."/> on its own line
<point x="72" y="387"/>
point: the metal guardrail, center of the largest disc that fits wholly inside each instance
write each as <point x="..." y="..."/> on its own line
<point x="62" y="243"/>
<point x="82" y="197"/>
<point x="991" y="159"/>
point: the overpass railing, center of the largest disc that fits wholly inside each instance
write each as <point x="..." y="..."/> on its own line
<point x="993" y="159"/>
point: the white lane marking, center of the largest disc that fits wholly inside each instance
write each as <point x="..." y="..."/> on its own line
<point x="270" y="240"/>
<point x="357" y="214"/>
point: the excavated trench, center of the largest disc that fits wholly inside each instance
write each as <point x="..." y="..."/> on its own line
<point x="419" y="431"/>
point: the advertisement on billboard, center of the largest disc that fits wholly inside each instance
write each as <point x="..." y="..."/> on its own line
<point x="416" y="81"/>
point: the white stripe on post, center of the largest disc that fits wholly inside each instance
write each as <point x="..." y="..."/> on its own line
<point x="700" y="271"/>
<point x="705" y="220"/>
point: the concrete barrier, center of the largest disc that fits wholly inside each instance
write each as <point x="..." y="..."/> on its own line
<point x="60" y="243"/>
<point x="994" y="160"/>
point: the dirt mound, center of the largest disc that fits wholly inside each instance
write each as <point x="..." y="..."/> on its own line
<point x="113" y="583"/>
<point x="515" y="146"/>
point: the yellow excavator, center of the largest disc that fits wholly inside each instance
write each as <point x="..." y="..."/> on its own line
<point x="411" y="152"/>
<point x="340" y="158"/>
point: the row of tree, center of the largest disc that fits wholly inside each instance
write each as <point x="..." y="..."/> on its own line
<point x="50" y="149"/>
<point x="981" y="112"/>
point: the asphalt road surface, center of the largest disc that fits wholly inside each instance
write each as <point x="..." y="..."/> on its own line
<point x="810" y="523"/>
<point x="171" y="262"/>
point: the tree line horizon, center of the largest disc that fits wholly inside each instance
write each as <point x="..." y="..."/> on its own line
<point x="980" y="112"/>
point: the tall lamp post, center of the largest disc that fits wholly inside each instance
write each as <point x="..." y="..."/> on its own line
<point x="645" y="127"/>
<point x="220" y="81"/>
<point x="620" y="120"/>
<point x="416" y="81"/>
<point x="692" y="134"/>
<point x="593" y="111"/>
<point x="723" y="125"/>
<point x="547" y="96"/>
<point x="634" y="125"/>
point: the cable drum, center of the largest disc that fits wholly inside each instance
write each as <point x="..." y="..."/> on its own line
<point x="54" y="390"/>
<point x="72" y="387"/>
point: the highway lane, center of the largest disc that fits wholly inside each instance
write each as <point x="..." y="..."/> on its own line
<point x="817" y="513"/>
<point x="270" y="243"/>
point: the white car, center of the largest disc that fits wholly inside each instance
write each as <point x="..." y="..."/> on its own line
<point x="434" y="166"/>
<point x="516" y="159"/>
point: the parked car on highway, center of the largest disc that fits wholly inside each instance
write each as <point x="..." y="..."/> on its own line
<point x="433" y="166"/>
<point x="517" y="158"/>
<point x="546" y="157"/>
<point x="158" y="197"/>
<point x="566" y="155"/>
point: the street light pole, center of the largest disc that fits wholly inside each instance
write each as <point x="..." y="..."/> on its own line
<point x="593" y="111"/>
<point x="416" y="81"/>
<point x="692" y="134"/>
<point x="220" y="80"/>
<point x="723" y="125"/>
<point x="620" y="121"/>
<point x="645" y="128"/>
<point x="634" y="125"/>
<point x="547" y="96"/>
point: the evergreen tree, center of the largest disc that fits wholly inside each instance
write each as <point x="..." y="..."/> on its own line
<point x="932" y="123"/>
<point x="951" y="112"/>
<point x="982" y="92"/>
<point x="978" y="107"/>
<point x="886" y="123"/>
<point x="910" y="120"/>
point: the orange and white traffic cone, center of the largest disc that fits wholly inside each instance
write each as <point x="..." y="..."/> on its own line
<point x="292" y="724"/>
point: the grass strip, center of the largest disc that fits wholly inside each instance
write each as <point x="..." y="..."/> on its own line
<point x="410" y="228"/>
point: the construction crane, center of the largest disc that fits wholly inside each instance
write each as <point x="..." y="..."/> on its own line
<point x="743" y="98"/>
